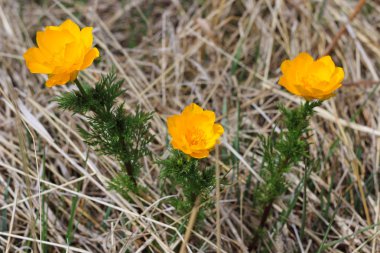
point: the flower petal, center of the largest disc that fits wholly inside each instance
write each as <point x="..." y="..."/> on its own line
<point x="285" y="66"/>
<point x="311" y="79"/>
<point x="35" y="61"/>
<point x="194" y="131"/>
<point x="87" y="37"/>
<point x="338" y="75"/>
<point x="58" y="79"/>
<point x="218" y="129"/>
<point x="328" y="63"/>
<point x="71" y="27"/>
<point x="53" y="41"/>
<point x="89" y="58"/>
<point x="200" y="154"/>
<point x="62" y="51"/>
<point x="192" y="108"/>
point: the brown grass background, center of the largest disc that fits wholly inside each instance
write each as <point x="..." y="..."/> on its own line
<point x="224" y="55"/>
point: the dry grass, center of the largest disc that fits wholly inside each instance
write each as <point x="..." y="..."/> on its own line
<point x="225" y="55"/>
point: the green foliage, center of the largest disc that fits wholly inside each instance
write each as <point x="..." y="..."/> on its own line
<point x="185" y="173"/>
<point x="71" y="225"/>
<point x="123" y="183"/>
<point x="282" y="151"/>
<point x="111" y="130"/>
<point x="44" y="218"/>
<point x="100" y="99"/>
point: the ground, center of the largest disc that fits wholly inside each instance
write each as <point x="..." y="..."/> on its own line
<point x="224" y="55"/>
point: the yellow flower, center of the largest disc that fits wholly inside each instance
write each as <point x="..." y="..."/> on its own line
<point x="194" y="131"/>
<point x="62" y="52"/>
<point x="311" y="79"/>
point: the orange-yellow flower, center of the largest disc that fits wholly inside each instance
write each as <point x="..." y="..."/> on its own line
<point x="311" y="79"/>
<point x="62" y="52"/>
<point x="194" y="131"/>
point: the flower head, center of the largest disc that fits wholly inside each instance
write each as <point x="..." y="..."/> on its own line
<point x="311" y="79"/>
<point x="194" y="131"/>
<point x="62" y="52"/>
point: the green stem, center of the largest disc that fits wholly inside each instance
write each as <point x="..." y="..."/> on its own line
<point x="304" y="203"/>
<point x="296" y="121"/>
<point x="80" y="87"/>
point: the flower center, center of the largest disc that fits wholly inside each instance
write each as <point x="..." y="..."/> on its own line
<point x="196" y="136"/>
